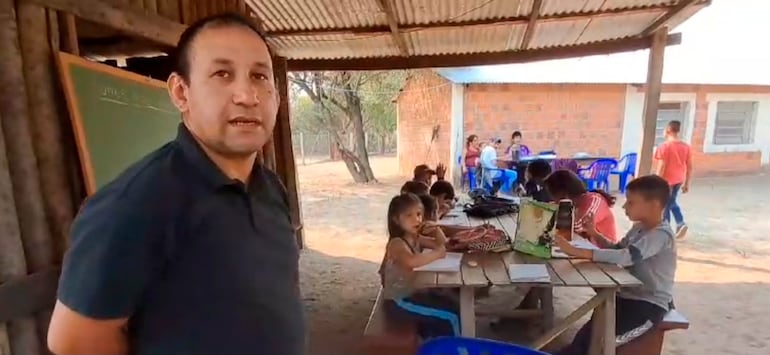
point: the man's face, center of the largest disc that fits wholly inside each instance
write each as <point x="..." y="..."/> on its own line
<point x="516" y="139"/>
<point x="230" y="101"/>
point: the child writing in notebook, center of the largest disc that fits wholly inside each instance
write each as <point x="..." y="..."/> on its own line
<point x="436" y="314"/>
<point x="648" y="251"/>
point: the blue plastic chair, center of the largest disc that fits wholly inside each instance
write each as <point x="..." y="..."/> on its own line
<point x="597" y="175"/>
<point x="486" y="184"/>
<point x="472" y="346"/>
<point x="626" y="168"/>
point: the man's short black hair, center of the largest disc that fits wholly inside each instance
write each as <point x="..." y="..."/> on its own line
<point x="516" y="134"/>
<point x="539" y="169"/>
<point x="181" y="55"/>
<point x="675" y="126"/>
<point x="651" y="187"/>
<point x="442" y="187"/>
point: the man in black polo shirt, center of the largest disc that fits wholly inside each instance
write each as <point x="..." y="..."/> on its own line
<point x="191" y="250"/>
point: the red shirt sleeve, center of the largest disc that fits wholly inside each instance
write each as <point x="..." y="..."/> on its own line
<point x="660" y="152"/>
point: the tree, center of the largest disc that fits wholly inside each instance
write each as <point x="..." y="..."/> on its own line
<point x="349" y="102"/>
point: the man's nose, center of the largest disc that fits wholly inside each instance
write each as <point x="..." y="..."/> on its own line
<point x="245" y="93"/>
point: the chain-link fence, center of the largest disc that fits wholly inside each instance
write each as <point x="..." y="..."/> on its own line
<point x="315" y="147"/>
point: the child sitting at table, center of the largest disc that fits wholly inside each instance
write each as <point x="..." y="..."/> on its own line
<point x="414" y="187"/>
<point x="537" y="171"/>
<point x="444" y="193"/>
<point x="436" y="314"/>
<point x="595" y="205"/>
<point x="648" y="252"/>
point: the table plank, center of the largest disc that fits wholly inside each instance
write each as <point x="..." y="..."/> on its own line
<point x="555" y="279"/>
<point x="568" y="273"/>
<point x="449" y="279"/>
<point x="509" y="223"/>
<point x="473" y="275"/>
<point x="475" y="222"/>
<point x="620" y="275"/>
<point x="425" y="279"/>
<point x="495" y="269"/>
<point x="455" y="217"/>
<point x="593" y="274"/>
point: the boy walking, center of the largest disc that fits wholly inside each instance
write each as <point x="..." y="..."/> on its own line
<point x="648" y="252"/>
<point x="675" y="166"/>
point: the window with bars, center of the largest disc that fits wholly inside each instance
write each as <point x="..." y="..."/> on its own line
<point x="734" y="123"/>
<point x="669" y="111"/>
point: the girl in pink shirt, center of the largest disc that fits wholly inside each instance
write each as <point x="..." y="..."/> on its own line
<point x="595" y="204"/>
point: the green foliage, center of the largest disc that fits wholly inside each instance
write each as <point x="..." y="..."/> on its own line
<point x="376" y="92"/>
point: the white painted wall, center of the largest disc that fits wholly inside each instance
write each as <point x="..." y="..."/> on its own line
<point x="456" y="132"/>
<point x="631" y="140"/>
<point x="761" y="125"/>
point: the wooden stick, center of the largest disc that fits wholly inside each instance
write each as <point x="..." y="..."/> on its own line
<point x="573" y="317"/>
<point x="20" y="335"/>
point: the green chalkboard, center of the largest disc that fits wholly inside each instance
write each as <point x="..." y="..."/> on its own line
<point x="118" y="117"/>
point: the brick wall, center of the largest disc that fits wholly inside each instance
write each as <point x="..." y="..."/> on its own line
<point x="716" y="164"/>
<point x="424" y="104"/>
<point x="568" y="118"/>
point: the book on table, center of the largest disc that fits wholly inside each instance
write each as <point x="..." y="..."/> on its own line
<point x="535" y="228"/>
<point x="529" y="273"/>
<point x="449" y="263"/>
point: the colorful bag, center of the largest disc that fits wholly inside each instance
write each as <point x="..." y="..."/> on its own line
<point x="482" y="238"/>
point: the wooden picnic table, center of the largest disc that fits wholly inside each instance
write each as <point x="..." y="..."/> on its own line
<point x="492" y="269"/>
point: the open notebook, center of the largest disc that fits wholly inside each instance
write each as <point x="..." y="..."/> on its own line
<point x="450" y="263"/>
<point x="529" y="273"/>
<point x="576" y="242"/>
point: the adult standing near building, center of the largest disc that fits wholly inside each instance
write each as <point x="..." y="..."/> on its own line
<point x="191" y="250"/>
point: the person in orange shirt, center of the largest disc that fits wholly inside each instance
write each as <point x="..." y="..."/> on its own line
<point x="674" y="159"/>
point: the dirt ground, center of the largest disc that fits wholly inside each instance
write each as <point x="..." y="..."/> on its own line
<point x="723" y="278"/>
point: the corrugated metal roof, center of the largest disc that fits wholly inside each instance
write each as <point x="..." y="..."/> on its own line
<point x="333" y="29"/>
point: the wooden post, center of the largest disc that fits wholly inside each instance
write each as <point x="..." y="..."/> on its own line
<point x="46" y="126"/>
<point x="69" y="33"/>
<point x="284" y="151"/>
<point x="22" y="166"/>
<point x="652" y="100"/>
<point x="302" y="147"/>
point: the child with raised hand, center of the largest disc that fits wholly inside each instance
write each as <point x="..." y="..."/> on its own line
<point x="408" y="233"/>
<point x="648" y="251"/>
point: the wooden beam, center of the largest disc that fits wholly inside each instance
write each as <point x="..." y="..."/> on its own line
<point x="511" y="20"/>
<point x="123" y="49"/>
<point x="533" y="15"/>
<point x="462" y="60"/>
<point x="651" y="101"/>
<point x="284" y="150"/>
<point x="386" y="7"/>
<point x="125" y="18"/>
<point x="663" y="19"/>
<point x="27" y="295"/>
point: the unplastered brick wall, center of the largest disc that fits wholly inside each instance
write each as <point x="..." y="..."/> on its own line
<point x="423" y="106"/>
<point x="716" y="164"/>
<point x="567" y="118"/>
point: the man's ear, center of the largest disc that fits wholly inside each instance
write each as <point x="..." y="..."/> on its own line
<point x="177" y="90"/>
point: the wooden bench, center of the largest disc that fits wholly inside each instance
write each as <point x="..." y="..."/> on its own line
<point x="387" y="336"/>
<point x="652" y="342"/>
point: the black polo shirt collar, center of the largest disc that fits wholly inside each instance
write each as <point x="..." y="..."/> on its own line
<point x="193" y="152"/>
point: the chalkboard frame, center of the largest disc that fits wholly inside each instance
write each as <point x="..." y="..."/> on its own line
<point x="64" y="62"/>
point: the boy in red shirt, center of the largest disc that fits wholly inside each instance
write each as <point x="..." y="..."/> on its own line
<point x="675" y="166"/>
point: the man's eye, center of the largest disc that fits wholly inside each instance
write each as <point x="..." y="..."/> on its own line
<point x="259" y="76"/>
<point x="221" y="74"/>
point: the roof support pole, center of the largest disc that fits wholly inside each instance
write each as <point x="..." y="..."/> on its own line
<point x="282" y="149"/>
<point x="652" y="100"/>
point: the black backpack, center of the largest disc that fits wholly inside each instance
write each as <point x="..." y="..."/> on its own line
<point x="485" y="206"/>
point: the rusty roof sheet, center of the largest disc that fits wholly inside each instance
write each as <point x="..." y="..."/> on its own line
<point x="349" y="29"/>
